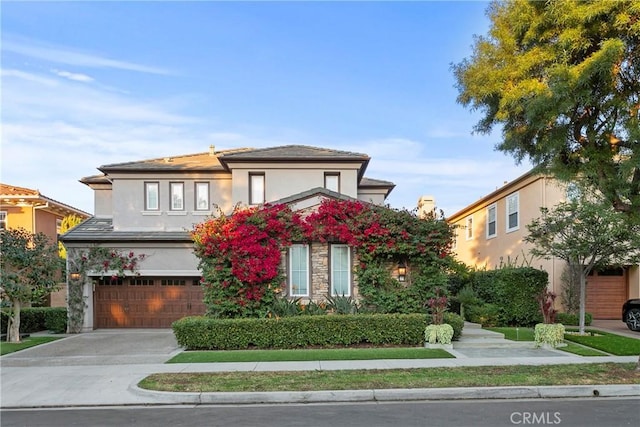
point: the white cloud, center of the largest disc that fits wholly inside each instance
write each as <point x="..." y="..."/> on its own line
<point x="69" y="56"/>
<point x="73" y="76"/>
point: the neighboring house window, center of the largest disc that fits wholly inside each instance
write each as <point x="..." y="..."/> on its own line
<point x="256" y="188"/>
<point x="3" y="220"/>
<point x="177" y="196"/>
<point x="469" y="226"/>
<point x="299" y="270"/>
<point x="202" y="196"/>
<point x="513" y="212"/>
<point x="492" y="221"/>
<point x="340" y="271"/>
<point x="151" y="196"/>
<point x="332" y="181"/>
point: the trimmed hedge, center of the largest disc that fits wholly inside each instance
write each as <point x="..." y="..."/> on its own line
<point x="568" y="319"/>
<point x="514" y="291"/>
<point x="204" y="333"/>
<point x="36" y="319"/>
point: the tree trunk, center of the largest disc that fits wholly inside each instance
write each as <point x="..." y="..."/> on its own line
<point x="13" y="326"/>
<point x="583" y="300"/>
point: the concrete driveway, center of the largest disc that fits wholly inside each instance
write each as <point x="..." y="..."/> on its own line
<point x="101" y="347"/>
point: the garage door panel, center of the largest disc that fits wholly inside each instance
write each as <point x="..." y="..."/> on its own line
<point x="147" y="302"/>
<point x="605" y="295"/>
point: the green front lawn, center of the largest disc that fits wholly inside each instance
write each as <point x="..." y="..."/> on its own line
<point x="308" y="355"/>
<point x="515" y="334"/>
<point x="483" y="376"/>
<point x="613" y="344"/>
<point x="6" y="348"/>
<point x="581" y="350"/>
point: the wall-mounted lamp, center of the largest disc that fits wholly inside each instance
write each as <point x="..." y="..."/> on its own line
<point x="402" y="273"/>
<point x="74" y="276"/>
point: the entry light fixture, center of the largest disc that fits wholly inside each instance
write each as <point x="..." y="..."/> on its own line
<point x="402" y="272"/>
<point x="74" y="276"/>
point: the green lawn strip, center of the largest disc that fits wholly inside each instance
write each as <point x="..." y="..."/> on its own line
<point x="6" y="348"/>
<point x="610" y="343"/>
<point x="476" y="376"/>
<point x="308" y="354"/>
<point x="581" y="350"/>
<point x="515" y="334"/>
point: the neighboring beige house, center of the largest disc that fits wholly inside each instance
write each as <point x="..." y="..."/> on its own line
<point x="150" y="206"/>
<point x="491" y="231"/>
<point x="30" y="209"/>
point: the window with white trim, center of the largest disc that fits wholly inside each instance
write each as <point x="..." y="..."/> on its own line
<point x="177" y="195"/>
<point x="299" y="270"/>
<point x="202" y="196"/>
<point x="340" y="270"/>
<point x="468" y="224"/>
<point x="151" y="196"/>
<point x="513" y="212"/>
<point x="256" y="188"/>
<point x="3" y="220"/>
<point x="332" y="181"/>
<point x="492" y="221"/>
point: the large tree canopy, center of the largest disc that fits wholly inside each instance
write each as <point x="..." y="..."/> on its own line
<point x="562" y="78"/>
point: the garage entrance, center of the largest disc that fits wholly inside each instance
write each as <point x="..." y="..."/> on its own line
<point x="606" y="292"/>
<point x="146" y="302"/>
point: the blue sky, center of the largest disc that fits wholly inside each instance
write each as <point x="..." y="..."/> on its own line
<point x="92" y="83"/>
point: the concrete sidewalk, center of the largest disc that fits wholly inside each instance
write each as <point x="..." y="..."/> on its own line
<point x="106" y="366"/>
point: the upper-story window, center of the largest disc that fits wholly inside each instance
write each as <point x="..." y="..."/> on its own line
<point x="513" y="212"/>
<point x="340" y="270"/>
<point x="177" y="196"/>
<point x="492" y="221"/>
<point x="151" y="196"/>
<point x="469" y="227"/>
<point x="256" y="188"/>
<point x="202" y="196"/>
<point x="3" y="220"/>
<point x="332" y="181"/>
<point x="299" y="270"/>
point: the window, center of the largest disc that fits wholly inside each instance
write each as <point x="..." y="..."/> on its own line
<point x="340" y="271"/>
<point x="3" y="220"/>
<point x="469" y="227"/>
<point x="202" y="196"/>
<point x="513" y="208"/>
<point x="492" y="221"/>
<point x="151" y="196"/>
<point x="177" y="196"/>
<point x="332" y="181"/>
<point x="256" y="188"/>
<point x="573" y="192"/>
<point x="299" y="270"/>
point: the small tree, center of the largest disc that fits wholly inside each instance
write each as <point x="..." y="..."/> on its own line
<point x="29" y="270"/>
<point x="587" y="234"/>
<point x="68" y="222"/>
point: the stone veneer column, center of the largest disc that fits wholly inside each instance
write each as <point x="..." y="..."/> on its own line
<point x="319" y="271"/>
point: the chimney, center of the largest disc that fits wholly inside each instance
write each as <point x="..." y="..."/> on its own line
<point x="426" y="206"/>
<point x="212" y="150"/>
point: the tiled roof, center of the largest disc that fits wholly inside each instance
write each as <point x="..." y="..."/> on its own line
<point x="196" y="162"/>
<point x="101" y="230"/>
<point x="370" y="182"/>
<point x="13" y="194"/>
<point x="311" y="193"/>
<point x="293" y="152"/>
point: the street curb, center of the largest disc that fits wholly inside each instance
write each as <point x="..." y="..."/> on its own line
<point x="392" y="395"/>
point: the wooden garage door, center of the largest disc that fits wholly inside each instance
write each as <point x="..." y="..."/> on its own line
<point x="606" y="292"/>
<point x="146" y="302"/>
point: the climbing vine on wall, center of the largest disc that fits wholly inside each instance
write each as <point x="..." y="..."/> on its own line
<point x="240" y="254"/>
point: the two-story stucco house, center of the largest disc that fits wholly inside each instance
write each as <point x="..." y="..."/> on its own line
<point x="150" y="207"/>
<point x="490" y="231"/>
<point x="33" y="211"/>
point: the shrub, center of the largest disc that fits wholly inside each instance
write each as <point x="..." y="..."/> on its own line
<point x="548" y="333"/>
<point x="281" y="307"/>
<point x="36" y="319"/>
<point x="514" y="291"/>
<point x="456" y="322"/>
<point x="55" y="320"/>
<point x="488" y="315"/>
<point x="573" y="319"/>
<point x="442" y="333"/>
<point x="342" y="304"/>
<point x="206" y="333"/>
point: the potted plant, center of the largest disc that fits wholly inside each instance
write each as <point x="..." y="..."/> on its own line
<point x="548" y="334"/>
<point x="438" y="334"/>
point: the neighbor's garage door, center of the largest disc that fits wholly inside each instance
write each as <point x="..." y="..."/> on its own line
<point x="606" y="292"/>
<point x="146" y="302"/>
